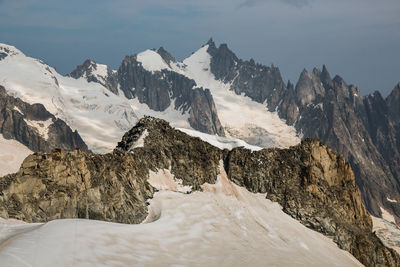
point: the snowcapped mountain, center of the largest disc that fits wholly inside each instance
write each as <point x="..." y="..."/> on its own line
<point x="102" y="109"/>
<point x="223" y="100"/>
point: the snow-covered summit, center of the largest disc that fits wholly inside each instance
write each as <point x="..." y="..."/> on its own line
<point x="8" y="50"/>
<point x="152" y="61"/>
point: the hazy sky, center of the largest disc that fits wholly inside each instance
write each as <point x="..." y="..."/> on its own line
<point x="357" y="39"/>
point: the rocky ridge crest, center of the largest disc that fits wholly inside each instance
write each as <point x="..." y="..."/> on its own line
<point x="311" y="182"/>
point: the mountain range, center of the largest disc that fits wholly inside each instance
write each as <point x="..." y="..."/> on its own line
<point x="212" y="94"/>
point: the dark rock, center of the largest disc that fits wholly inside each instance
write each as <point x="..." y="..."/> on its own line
<point x="15" y="115"/>
<point x="87" y="71"/>
<point x="166" y="56"/>
<point x="159" y="89"/>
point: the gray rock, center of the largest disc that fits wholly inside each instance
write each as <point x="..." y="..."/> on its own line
<point x="14" y="114"/>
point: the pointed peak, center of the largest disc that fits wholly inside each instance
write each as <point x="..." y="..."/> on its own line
<point x="211" y="45"/>
<point x="338" y="80"/>
<point x="168" y="58"/>
<point x="88" y="62"/>
<point x="290" y="85"/>
<point x="316" y="71"/>
<point x="324" y="69"/>
<point x="210" y="42"/>
<point x="304" y="74"/>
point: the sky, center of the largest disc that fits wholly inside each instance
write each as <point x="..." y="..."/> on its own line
<point x="356" y="39"/>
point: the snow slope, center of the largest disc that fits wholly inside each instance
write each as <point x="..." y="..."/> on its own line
<point x="12" y="154"/>
<point x="224" y="225"/>
<point x="220" y="141"/>
<point x="387" y="230"/>
<point x="151" y="61"/>
<point x="100" y="116"/>
<point x="240" y="116"/>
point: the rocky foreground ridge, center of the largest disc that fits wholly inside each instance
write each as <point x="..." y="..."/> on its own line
<point x="311" y="182"/>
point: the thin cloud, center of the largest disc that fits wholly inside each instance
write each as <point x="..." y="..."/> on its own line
<point x="296" y="3"/>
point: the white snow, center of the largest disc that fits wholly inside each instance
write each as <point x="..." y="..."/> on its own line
<point x="12" y="154"/>
<point x="165" y="180"/>
<point x="224" y="225"/>
<point x="387" y="216"/>
<point x="240" y="116"/>
<point x="152" y="61"/>
<point x="17" y="109"/>
<point x="100" y="116"/>
<point x="220" y="141"/>
<point x="390" y="200"/>
<point x="388" y="232"/>
<point x="100" y="71"/>
<point x="42" y="127"/>
<point x="140" y="141"/>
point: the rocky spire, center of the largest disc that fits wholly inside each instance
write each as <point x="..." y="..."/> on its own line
<point x="393" y="103"/>
<point x="326" y="78"/>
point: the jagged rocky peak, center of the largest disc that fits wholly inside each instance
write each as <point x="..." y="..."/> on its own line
<point x="34" y="126"/>
<point x="259" y="82"/>
<point x="309" y="87"/>
<point x="326" y="78"/>
<point x="166" y="56"/>
<point x="393" y="103"/>
<point x="99" y="73"/>
<point x="223" y="61"/>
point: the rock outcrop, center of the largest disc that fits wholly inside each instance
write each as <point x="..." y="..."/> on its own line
<point x="34" y="126"/>
<point x="311" y="182"/>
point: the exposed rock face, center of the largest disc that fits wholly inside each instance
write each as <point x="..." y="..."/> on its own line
<point x="158" y="89"/>
<point x="98" y="73"/>
<point x="256" y="81"/>
<point x="76" y="185"/>
<point x="360" y="128"/>
<point x="312" y="183"/>
<point x="34" y="126"/>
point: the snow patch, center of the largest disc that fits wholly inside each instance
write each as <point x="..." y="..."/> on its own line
<point x="152" y="61"/>
<point x="140" y="141"/>
<point x="387" y="216"/>
<point x="17" y="109"/>
<point x="220" y="141"/>
<point x="12" y="154"/>
<point x="42" y="127"/>
<point x="165" y="180"/>
<point x="388" y="199"/>
<point x="388" y="232"/>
